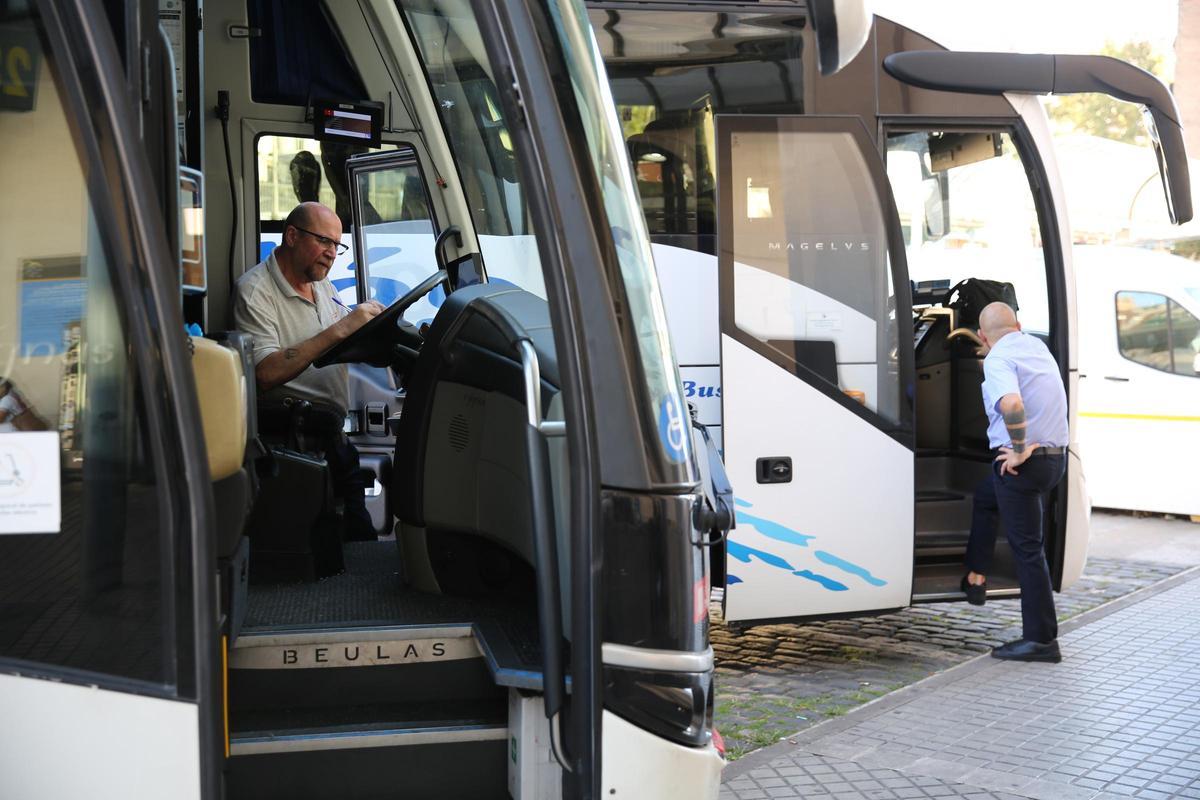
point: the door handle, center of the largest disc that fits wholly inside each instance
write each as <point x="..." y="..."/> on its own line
<point x="1116" y="378"/>
<point x="777" y="469"/>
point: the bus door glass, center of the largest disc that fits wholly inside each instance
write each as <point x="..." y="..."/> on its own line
<point x="394" y="237"/>
<point x="815" y="367"/>
<point x="94" y="594"/>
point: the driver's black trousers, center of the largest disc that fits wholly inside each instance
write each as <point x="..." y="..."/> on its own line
<point x="349" y="487"/>
<point x="308" y="427"/>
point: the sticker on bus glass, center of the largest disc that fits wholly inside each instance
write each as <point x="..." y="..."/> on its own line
<point x="671" y="429"/>
<point x="30" y="501"/>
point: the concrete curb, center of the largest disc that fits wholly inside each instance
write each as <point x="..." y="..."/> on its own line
<point x="974" y="666"/>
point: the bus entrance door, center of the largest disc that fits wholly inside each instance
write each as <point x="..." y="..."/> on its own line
<point x="815" y="369"/>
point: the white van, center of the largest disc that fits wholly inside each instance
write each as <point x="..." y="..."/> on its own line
<point x="1139" y="378"/>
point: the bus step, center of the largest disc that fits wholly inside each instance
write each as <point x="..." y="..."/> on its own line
<point x="940" y="512"/>
<point x="329" y="669"/>
<point x="401" y="756"/>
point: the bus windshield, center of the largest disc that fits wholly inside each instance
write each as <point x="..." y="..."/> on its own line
<point x="463" y="82"/>
<point x="607" y="150"/>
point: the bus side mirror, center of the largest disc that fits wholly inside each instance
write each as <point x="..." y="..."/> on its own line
<point x="841" y="28"/>
<point x="937" y="206"/>
<point x="997" y="73"/>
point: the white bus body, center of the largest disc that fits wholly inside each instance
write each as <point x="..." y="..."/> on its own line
<point x="785" y="247"/>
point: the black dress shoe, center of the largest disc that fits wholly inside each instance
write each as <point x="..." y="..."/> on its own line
<point x="1025" y="650"/>
<point x="976" y="595"/>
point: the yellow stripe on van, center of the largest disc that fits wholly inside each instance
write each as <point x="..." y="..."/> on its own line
<point x="1158" y="417"/>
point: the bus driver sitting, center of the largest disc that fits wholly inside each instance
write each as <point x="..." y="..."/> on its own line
<point x="289" y="307"/>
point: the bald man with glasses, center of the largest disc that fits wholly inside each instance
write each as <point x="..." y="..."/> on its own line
<point x="291" y="310"/>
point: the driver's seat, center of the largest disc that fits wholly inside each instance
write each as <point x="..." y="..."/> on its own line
<point x="461" y="478"/>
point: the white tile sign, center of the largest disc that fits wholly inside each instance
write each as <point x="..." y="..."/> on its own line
<point x="30" y="500"/>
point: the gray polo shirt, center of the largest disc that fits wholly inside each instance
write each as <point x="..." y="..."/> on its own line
<point x="277" y="317"/>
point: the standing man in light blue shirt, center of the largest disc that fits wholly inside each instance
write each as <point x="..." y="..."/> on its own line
<point x="1026" y="405"/>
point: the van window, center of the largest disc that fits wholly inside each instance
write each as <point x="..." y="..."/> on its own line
<point x="83" y="582"/>
<point x="1185" y="340"/>
<point x="1156" y="331"/>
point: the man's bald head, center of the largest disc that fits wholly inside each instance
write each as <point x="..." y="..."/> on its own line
<point x="309" y="215"/>
<point x="997" y="319"/>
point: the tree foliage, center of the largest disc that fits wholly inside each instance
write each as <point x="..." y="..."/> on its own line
<point x="1100" y="115"/>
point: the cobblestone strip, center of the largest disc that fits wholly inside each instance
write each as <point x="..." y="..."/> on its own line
<point x="775" y="680"/>
<point x="1119" y="718"/>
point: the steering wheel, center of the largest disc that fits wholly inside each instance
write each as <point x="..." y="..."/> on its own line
<point x="373" y="342"/>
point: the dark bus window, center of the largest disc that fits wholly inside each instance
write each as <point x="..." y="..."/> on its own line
<point x="81" y="537"/>
<point x="298" y="55"/>
<point x="670" y="72"/>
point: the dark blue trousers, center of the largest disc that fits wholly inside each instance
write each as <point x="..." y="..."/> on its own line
<point x="1019" y="500"/>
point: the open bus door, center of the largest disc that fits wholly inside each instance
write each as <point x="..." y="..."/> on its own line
<point x="108" y="650"/>
<point x="1016" y="79"/>
<point x="814" y="362"/>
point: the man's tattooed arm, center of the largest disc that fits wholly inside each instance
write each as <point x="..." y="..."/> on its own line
<point x="1014" y="420"/>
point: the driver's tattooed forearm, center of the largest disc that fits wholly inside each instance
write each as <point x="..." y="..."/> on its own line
<point x="1015" y="422"/>
<point x="290" y="353"/>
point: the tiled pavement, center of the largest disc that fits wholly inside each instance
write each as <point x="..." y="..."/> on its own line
<point x="775" y="680"/>
<point x="1119" y="718"/>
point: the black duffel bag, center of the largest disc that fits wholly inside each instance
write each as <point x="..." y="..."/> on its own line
<point x="969" y="296"/>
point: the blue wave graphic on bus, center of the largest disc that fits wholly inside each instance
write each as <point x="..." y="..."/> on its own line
<point x="828" y="583"/>
<point x="744" y="554"/>
<point x="770" y="529"/>
<point x="782" y="533"/>
<point x="846" y="566"/>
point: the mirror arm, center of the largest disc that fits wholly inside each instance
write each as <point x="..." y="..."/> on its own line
<point x="440" y="254"/>
<point x="997" y="73"/>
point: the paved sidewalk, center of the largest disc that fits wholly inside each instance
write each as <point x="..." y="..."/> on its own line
<point x="1119" y="718"/>
<point x="775" y="680"/>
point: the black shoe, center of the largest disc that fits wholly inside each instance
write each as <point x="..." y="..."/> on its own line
<point x="976" y="595"/>
<point x="1025" y="650"/>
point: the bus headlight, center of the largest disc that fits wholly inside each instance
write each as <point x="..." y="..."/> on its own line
<point x="675" y="705"/>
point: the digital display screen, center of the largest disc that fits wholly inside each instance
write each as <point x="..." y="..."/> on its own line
<point x="360" y="123"/>
<point x="347" y="123"/>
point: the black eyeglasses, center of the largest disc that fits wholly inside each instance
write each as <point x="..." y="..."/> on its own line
<point x="324" y="241"/>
